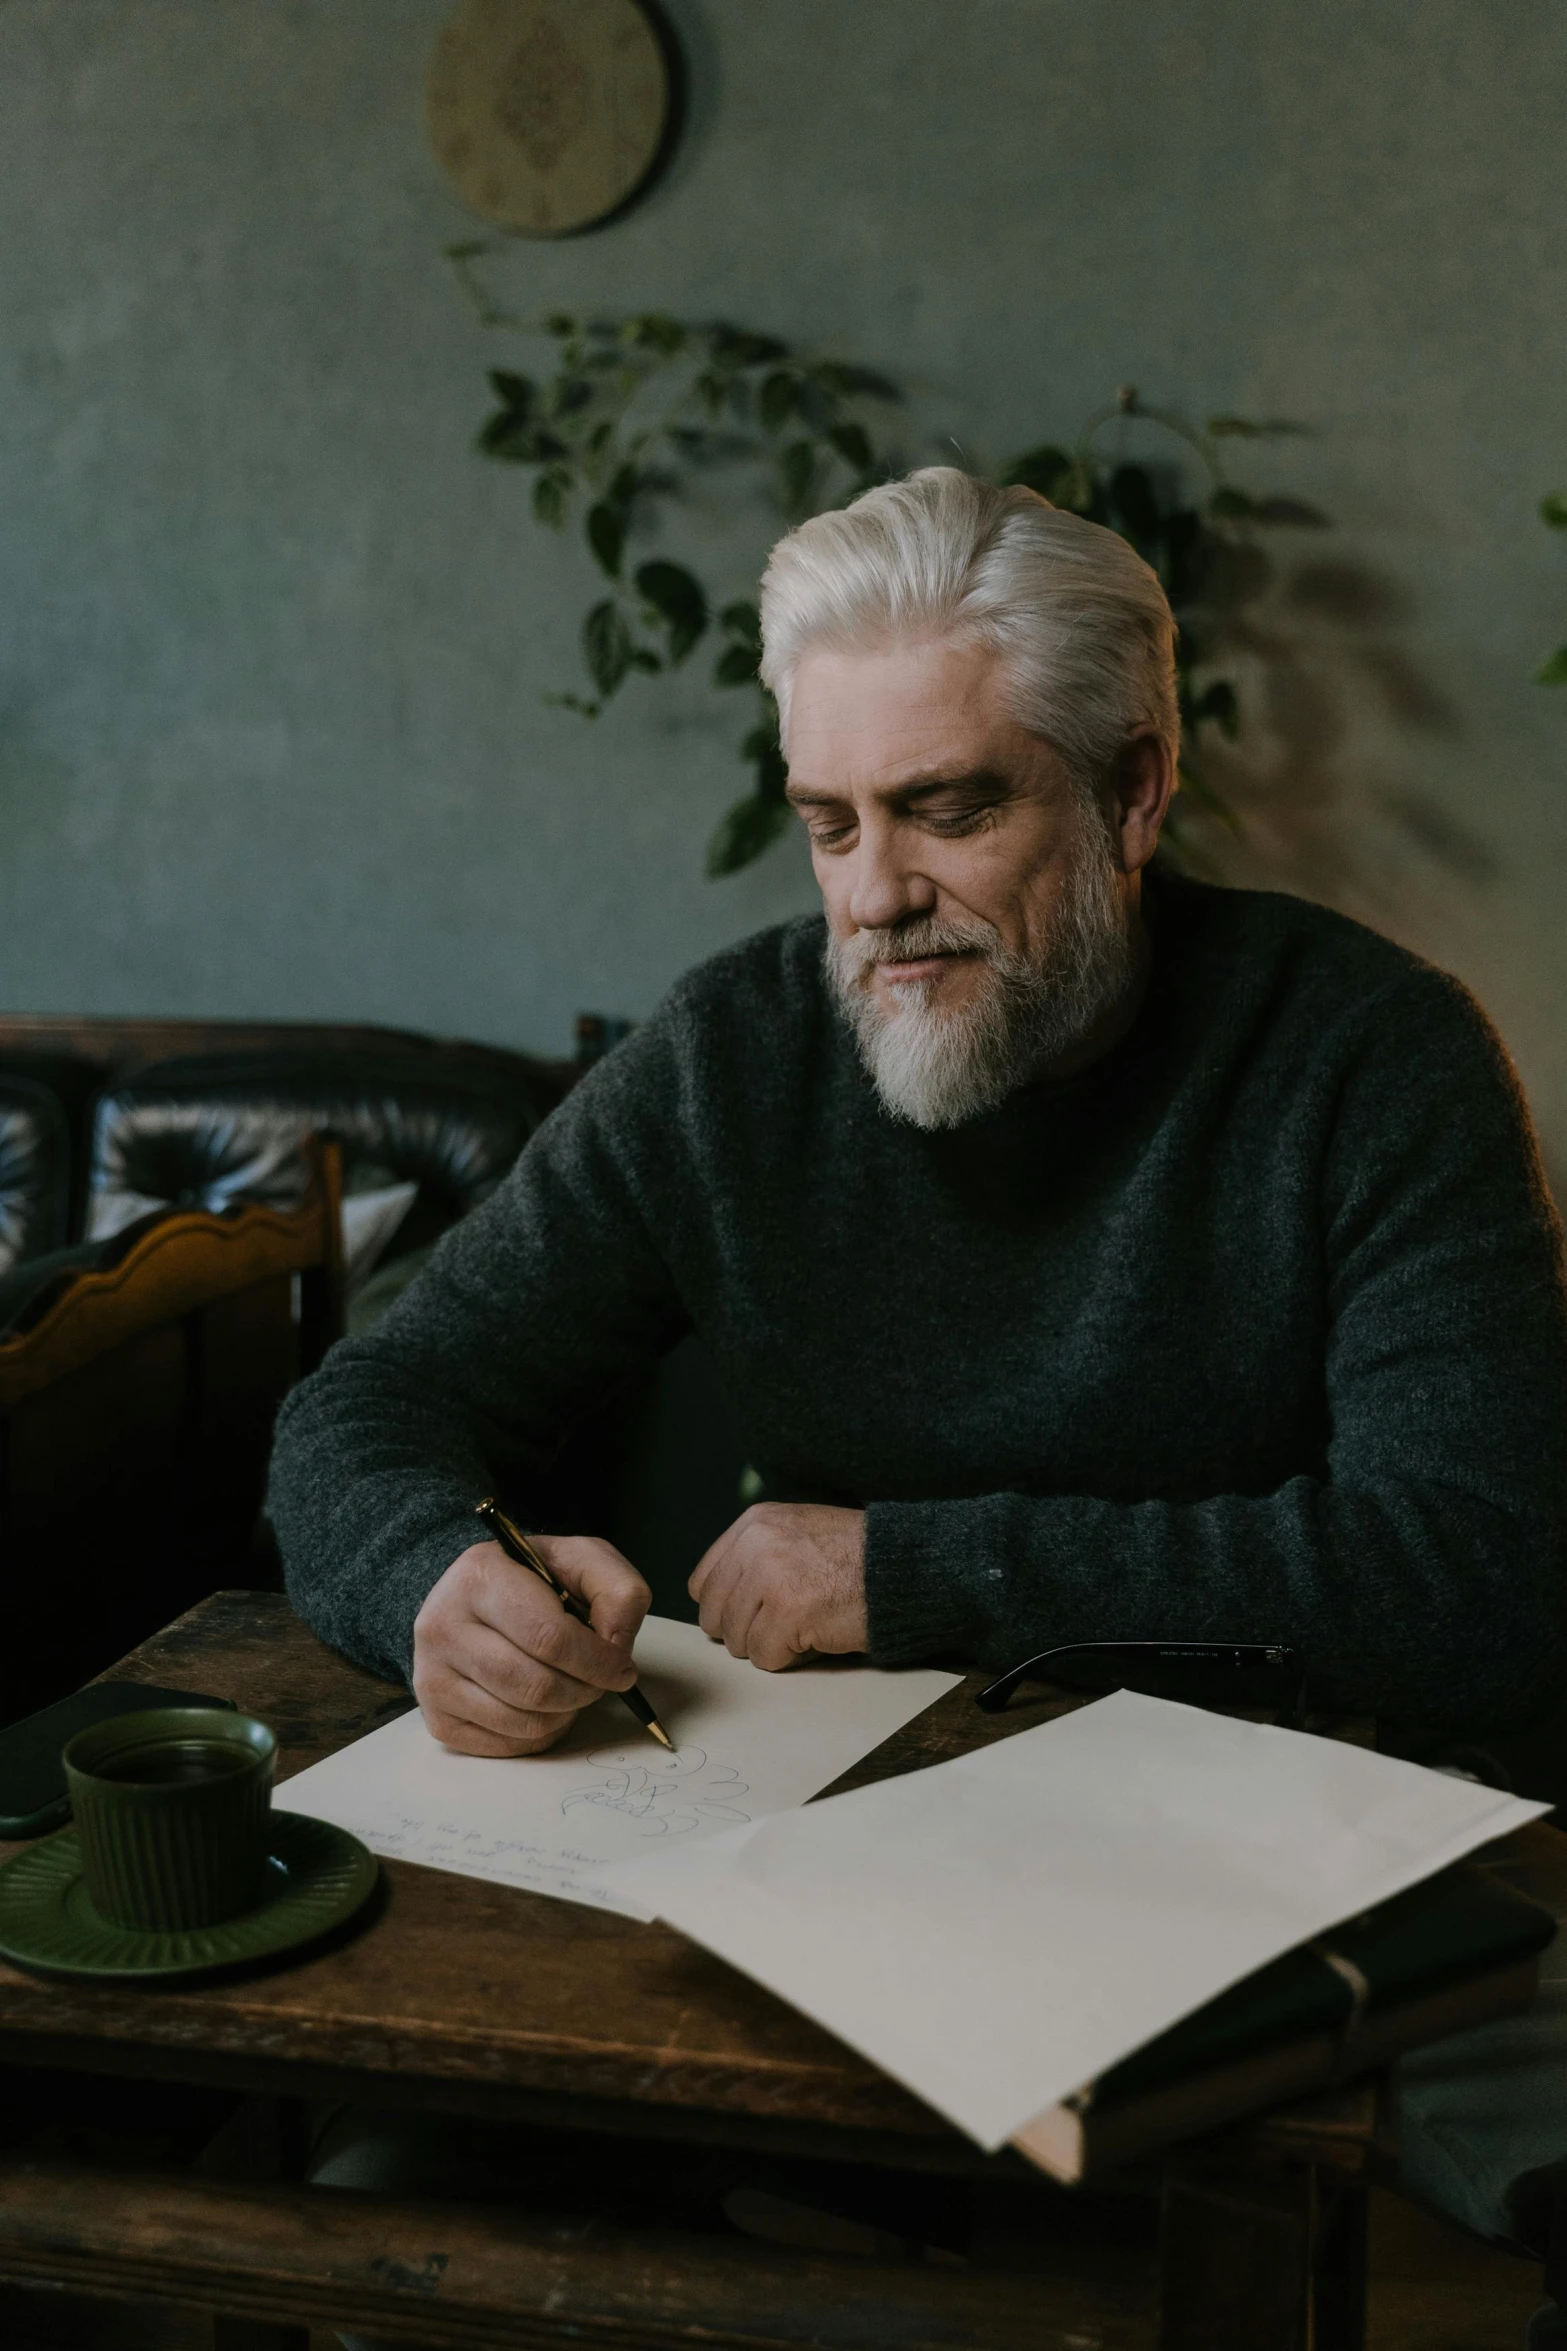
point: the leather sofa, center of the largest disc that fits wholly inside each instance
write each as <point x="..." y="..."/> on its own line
<point x="103" y="1120"/>
<point x="34" y="1171"/>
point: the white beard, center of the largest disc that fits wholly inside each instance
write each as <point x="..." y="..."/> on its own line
<point x="940" y="1068"/>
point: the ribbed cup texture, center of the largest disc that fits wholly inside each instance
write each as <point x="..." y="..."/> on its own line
<point x="162" y="1855"/>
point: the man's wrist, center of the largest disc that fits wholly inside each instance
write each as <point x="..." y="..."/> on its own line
<point x="918" y="1602"/>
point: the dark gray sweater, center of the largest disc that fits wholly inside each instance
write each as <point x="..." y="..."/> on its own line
<point x="1256" y="1330"/>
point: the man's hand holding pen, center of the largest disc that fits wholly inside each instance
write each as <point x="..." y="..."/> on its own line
<point x="500" y="1668"/>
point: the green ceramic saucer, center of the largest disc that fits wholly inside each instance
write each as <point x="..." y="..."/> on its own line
<point x="317" y="1876"/>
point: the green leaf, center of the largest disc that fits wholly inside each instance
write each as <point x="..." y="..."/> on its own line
<point x="1219" y="703"/>
<point x="560" y="322"/>
<point x="1553" y="669"/>
<point x="572" y="393"/>
<point x="606" y="645"/>
<point x="1038" y="469"/>
<point x="744" y="621"/>
<point x="514" y="391"/>
<point x="606" y="537"/>
<point x="797" y="476"/>
<point x="1075" y="489"/>
<point x="679" y="600"/>
<point x="1553" y="510"/>
<point x="772" y="772"/>
<point x="775" y="402"/>
<point x="510" y="437"/>
<point x="1135" y="506"/>
<point x="854" y="382"/>
<point x="471" y="249"/>
<point x="1232" y="504"/>
<point x="734" y="347"/>
<point x="1294" y="512"/>
<point x="659" y="333"/>
<point x="853" y="444"/>
<point x="642" y="659"/>
<point x="740" y="837"/>
<point x="549" y="497"/>
<point x="735" y="666"/>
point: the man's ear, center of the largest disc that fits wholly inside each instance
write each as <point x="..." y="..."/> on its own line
<point x="1142" y="786"/>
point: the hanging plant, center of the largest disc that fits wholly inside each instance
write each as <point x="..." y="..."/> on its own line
<point x="633" y="408"/>
<point x="1206" y="550"/>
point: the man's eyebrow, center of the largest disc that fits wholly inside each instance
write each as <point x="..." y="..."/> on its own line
<point x="911" y="788"/>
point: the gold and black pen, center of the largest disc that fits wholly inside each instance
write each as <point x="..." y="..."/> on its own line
<point x="516" y="1546"/>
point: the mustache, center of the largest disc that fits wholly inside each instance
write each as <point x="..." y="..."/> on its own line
<point x="922" y="934"/>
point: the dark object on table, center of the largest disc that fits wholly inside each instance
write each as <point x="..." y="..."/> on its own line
<point x="1458" y="1951"/>
<point x="32" y="1776"/>
<point x="171" y="1807"/>
<point x="315" y="1878"/>
<point x="1247" y="1676"/>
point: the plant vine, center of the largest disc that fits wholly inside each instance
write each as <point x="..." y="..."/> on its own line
<point x="633" y="407"/>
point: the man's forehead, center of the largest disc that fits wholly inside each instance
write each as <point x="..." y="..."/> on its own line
<point x="895" y="720"/>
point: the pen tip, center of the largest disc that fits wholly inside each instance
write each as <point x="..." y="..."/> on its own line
<point x="662" y="1736"/>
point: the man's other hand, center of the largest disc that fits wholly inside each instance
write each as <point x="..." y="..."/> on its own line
<point x="786" y="1580"/>
<point x="500" y="1668"/>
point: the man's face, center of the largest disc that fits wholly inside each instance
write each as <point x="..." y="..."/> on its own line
<point x="924" y="797"/>
<point x="980" y="911"/>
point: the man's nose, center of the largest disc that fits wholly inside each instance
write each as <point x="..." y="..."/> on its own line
<point x="886" y="888"/>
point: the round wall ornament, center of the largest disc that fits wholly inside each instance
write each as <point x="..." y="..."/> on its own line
<point x="548" y="116"/>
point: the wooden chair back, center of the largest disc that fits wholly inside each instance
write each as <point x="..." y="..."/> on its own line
<point x="136" y="1414"/>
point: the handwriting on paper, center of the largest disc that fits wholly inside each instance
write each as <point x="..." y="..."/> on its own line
<point x="666" y="1795"/>
<point x="561" y="1823"/>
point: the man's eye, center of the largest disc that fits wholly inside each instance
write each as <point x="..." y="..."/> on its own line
<point x="957" y="821"/>
<point x="828" y="836"/>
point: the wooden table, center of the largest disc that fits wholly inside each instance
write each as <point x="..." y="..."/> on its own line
<point x="590" y="2032"/>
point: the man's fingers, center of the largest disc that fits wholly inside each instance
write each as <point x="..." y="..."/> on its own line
<point x="709" y="1562"/>
<point x="517" y="1604"/>
<point x="721" y="1568"/>
<point x="740" y="1610"/>
<point x="519" y="1680"/>
<point x="769" y="1643"/>
<point x="604" y="1578"/>
<point x="462" y="1715"/>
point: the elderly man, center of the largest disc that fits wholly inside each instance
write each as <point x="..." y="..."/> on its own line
<point x="1089" y="1254"/>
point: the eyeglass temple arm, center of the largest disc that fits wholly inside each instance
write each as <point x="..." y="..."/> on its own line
<point x="995" y="1695"/>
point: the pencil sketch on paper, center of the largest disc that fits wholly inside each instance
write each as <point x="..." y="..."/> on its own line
<point x="666" y="1795"/>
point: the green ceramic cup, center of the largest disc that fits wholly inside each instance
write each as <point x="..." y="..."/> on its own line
<point x="171" y="1815"/>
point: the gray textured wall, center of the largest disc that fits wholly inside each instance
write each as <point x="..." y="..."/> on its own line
<point x="273" y="643"/>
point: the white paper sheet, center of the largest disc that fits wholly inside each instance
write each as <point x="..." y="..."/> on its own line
<point x="996" y="1931"/>
<point x="747" y="1743"/>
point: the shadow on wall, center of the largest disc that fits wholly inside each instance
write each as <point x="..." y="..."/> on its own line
<point x="1332" y="700"/>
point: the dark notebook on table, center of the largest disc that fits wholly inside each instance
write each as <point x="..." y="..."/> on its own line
<point x="1459" y="1950"/>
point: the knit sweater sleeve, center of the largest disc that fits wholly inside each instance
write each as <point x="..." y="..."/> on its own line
<point x="529" y="1312"/>
<point x="1423" y="1573"/>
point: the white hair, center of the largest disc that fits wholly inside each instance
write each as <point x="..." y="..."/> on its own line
<point x="1082" y="625"/>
